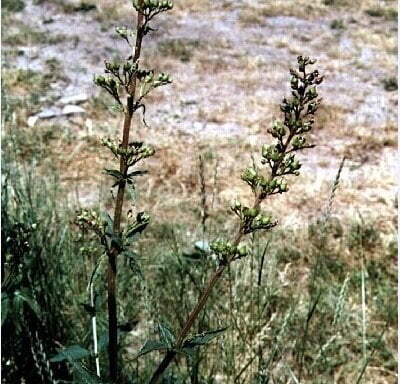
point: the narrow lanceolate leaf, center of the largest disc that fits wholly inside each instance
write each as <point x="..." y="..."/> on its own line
<point x="24" y="295"/>
<point x="136" y="229"/>
<point x="109" y="221"/>
<point x="114" y="173"/>
<point x="202" y="338"/>
<point x="137" y="173"/>
<point x="151" y="346"/>
<point x="132" y="260"/>
<point x="166" y="335"/>
<point x="5" y="307"/>
<point x="71" y="353"/>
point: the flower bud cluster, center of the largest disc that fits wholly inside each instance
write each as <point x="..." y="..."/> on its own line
<point x="90" y="219"/>
<point x="304" y="97"/>
<point x="266" y="186"/>
<point x="133" y="153"/>
<point x="278" y="130"/>
<point x="109" y="84"/>
<point x="290" y="165"/>
<point x="152" y="6"/>
<point x="251" y="218"/>
<point x="150" y="81"/>
<point x="225" y="250"/>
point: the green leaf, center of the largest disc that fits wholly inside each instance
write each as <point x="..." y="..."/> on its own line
<point x="137" y="173"/>
<point x="24" y="296"/>
<point x="71" y="353"/>
<point x="103" y="342"/>
<point x="132" y="261"/>
<point x="85" y="376"/>
<point x="5" y="307"/>
<point x="114" y="173"/>
<point x="166" y="335"/>
<point x="151" y="346"/>
<point x="202" y="338"/>
<point x="110" y="223"/>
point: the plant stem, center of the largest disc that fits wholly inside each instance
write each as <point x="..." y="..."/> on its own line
<point x="214" y="279"/>
<point x="260" y="195"/>
<point x="112" y="256"/>
<point x="94" y="331"/>
<point x="195" y="312"/>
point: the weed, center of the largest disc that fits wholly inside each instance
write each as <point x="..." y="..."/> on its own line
<point x="13" y="5"/>
<point x="388" y="13"/>
<point x="337" y="24"/>
<point x="390" y="84"/>
<point x="364" y="235"/>
<point x="181" y="49"/>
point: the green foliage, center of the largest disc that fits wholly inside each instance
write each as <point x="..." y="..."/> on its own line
<point x="36" y="243"/>
<point x="337" y="24"/>
<point x="387" y="13"/>
<point x="73" y="352"/>
<point x="13" y="5"/>
<point x="390" y="84"/>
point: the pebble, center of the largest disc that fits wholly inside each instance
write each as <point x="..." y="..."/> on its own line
<point x="47" y="114"/>
<point x="74" y="99"/>
<point x="72" y="109"/>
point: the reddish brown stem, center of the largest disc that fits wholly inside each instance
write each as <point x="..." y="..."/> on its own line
<point x="112" y="257"/>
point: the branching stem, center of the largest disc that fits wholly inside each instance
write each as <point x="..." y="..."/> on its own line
<point x="112" y="256"/>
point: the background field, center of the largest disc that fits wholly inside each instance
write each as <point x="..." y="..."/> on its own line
<point x="230" y="62"/>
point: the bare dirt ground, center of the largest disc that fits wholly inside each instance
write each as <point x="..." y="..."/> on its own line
<point x="229" y="61"/>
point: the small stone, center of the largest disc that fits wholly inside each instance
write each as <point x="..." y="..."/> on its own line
<point x="47" y="114"/>
<point x="32" y="121"/>
<point x="202" y="246"/>
<point x="74" y="99"/>
<point x="72" y="109"/>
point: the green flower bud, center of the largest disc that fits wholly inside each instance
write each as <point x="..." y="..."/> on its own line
<point x="147" y="151"/>
<point x="249" y="175"/>
<point x="263" y="182"/>
<point x="265" y="220"/>
<point x="99" y="80"/>
<point x="122" y="31"/>
<point x="236" y="205"/>
<point x="295" y="101"/>
<point x="148" y="78"/>
<point x="219" y="246"/>
<point x="111" y="82"/>
<point x="142" y="217"/>
<point x="242" y="250"/>
<point x="299" y="142"/>
<point x="295" y="165"/>
<point x="250" y="212"/>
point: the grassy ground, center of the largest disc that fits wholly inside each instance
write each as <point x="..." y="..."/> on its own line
<point x="229" y="61"/>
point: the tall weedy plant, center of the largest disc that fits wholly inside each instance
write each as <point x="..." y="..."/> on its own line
<point x="280" y="160"/>
<point x="127" y="80"/>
